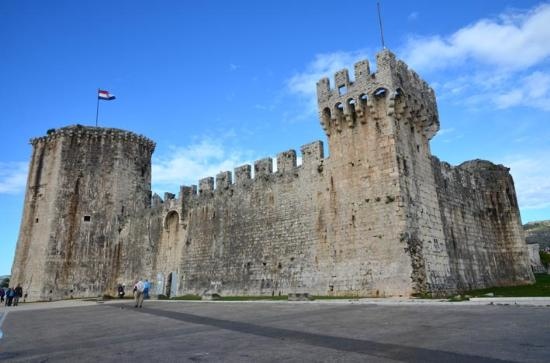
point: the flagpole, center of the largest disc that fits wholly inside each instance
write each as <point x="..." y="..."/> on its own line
<point x="97" y="107"/>
<point x="380" y="23"/>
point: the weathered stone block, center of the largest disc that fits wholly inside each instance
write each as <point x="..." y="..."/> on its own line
<point x="263" y="167"/>
<point x="286" y="161"/>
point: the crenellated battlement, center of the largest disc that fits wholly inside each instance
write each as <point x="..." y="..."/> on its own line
<point x="90" y="132"/>
<point x="286" y="161"/>
<point x="242" y="177"/>
<point x="263" y="167"/>
<point x="393" y="91"/>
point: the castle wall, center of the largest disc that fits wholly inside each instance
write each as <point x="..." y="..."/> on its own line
<point x="482" y="227"/>
<point x="534" y="258"/>
<point x="378" y="217"/>
<point x="369" y="220"/>
<point x="329" y="226"/>
<point x="139" y="240"/>
<point x="319" y="227"/>
<point x="413" y="111"/>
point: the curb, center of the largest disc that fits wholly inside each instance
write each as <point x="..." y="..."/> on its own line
<point x="526" y="301"/>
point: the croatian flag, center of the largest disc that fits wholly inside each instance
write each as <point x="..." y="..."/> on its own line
<point x="105" y="95"/>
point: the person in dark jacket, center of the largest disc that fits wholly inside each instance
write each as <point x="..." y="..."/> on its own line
<point x="10" y="294"/>
<point x="120" y="290"/>
<point x="18" y="294"/>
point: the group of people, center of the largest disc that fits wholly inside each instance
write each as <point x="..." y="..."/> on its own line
<point x="11" y="296"/>
<point x="141" y="292"/>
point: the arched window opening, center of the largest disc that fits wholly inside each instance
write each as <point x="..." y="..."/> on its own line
<point x="380" y="92"/>
<point x="351" y="105"/>
<point x="363" y="100"/>
<point x="171" y="220"/>
<point x="339" y="109"/>
<point x="326" y="117"/>
<point x="351" y="110"/>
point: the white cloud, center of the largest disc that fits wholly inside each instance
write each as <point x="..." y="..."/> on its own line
<point x="513" y="41"/>
<point x="537" y="88"/>
<point x="186" y="165"/>
<point x="508" y="99"/>
<point x="531" y="90"/>
<point x="532" y="180"/>
<point x="413" y="16"/>
<point x="13" y="177"/>
<point x="502" y="62"/>
<point x="448" y="135"/>
<point x="324" y="65"/>
<point x="446" y="131"/>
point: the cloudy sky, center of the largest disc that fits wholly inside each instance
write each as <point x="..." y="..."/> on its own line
<point x="220" y="83"/>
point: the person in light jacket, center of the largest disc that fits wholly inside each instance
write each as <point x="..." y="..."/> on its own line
<point x="138" y="293"/>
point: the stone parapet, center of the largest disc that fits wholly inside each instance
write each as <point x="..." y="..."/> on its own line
<point x="393" y="90"/>
<point x="81" y="131"/>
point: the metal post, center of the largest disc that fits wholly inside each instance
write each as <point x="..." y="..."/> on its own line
<point x="97" y="108"/>
<point x="380" y="22"/>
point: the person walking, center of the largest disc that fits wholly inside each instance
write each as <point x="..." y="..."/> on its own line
<point x="138" y="293"/>
<point x="147" y="285"/>
<point x="18" y="294"/>
<point x="2" y="294"/>
<point x="10" y="293"/>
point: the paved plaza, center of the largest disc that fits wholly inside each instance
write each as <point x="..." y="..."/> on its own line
<point x="367" y="331"/>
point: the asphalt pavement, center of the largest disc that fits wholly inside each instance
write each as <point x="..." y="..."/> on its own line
<point x="366" y="330"/>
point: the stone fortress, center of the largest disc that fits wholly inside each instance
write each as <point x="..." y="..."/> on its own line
<point x="380" y="217"/>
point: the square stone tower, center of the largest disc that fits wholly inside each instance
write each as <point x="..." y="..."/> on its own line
<point x="379" y="127"/>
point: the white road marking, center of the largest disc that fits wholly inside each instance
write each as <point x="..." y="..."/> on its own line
<point x="4" y="314"/>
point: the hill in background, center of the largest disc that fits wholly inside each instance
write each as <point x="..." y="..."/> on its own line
<point x="538" y="232"/>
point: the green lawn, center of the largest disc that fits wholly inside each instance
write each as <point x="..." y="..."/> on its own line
<point x="540" y="288"/>
<point x="255" y="298"/>
<point x="251" y="298"/>
<point x="183" y="297"/>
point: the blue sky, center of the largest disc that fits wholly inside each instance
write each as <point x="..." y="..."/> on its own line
<point x="220" y="83"/>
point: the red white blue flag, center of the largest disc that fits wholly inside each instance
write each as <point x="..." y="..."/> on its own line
<point x="105" y="95"/>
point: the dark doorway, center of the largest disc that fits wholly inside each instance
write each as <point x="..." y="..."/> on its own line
<point x="168" y="285"/>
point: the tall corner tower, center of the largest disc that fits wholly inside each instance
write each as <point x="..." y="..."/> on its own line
<point x="83" y="185"/>
<point x="378" y="127"/>
<point x="392" y="93"/>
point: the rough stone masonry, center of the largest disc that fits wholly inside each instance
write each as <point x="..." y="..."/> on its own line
<point x="380" y="217"/>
